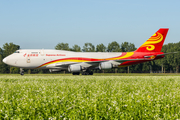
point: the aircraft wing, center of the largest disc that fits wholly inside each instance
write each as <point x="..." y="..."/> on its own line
<point x="116" y="63"/>
<point x="118" y="60"/>
<point x="91" y="64"/>
<point x="59" y="65"/>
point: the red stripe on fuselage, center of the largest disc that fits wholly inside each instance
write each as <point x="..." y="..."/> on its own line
<point x="80" y="58"/>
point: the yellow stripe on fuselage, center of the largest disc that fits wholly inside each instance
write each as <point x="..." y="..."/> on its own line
<point x="129" y="54"/>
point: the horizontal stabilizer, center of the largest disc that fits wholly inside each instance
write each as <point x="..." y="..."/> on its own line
<point x="166" y="54"/>
<point x="154" y="56"/>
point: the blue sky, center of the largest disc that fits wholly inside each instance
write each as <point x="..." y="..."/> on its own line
<point x="44" y="23"/>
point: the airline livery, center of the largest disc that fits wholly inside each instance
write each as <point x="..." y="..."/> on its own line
<point x="85" y="62"/>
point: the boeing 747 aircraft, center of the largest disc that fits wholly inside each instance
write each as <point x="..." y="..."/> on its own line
<point x="85" y="62"/>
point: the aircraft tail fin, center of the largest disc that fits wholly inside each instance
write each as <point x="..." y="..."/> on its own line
<point x="155" y="42"/>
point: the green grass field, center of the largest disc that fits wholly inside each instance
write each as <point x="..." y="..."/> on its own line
<point x="132" y="96"/>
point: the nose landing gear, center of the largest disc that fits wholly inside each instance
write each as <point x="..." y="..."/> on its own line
<point x="21" y="71"/>
<point x="87" y="72"/>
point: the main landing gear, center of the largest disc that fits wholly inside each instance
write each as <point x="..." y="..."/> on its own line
<point x="21" y="71"/>
<point x="83" y="73"/>
<point x="76" y="73"/>
<point x="87" y="73"/>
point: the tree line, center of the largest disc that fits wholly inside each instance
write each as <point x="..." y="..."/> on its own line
<point x="168" y="64"/>
<point x="89" y="47"/>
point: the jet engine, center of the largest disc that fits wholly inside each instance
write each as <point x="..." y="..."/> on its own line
<point x="74" y="68"/>
<point x="105" y="65"/>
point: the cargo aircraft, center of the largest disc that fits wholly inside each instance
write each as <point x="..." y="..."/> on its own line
<point x="85" y="62"/>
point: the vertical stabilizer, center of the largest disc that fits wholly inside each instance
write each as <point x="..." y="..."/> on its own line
<point x="155" y="42"/>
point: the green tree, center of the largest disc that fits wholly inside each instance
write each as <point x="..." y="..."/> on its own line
<point x="173" y="60"/>
<point x="14" y="70"/>
<point x="1" y="55"/>
<point x="101" y="48"/>
<point x="1" y="58"/>
<point x="8" y="48"/>
<point x="76" y="48"/>
<point x="62" y="46"/>
<point x="88" y="47"/>
<point x="127" y="47"/>
<point x="170" y="62"/>
<point x="114" y="47"/>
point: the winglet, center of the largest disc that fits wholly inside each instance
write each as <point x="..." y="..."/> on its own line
<point x="155" y="42"/>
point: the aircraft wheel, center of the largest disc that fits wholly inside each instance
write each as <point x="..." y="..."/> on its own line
<point x="84" y="73"/>
<point x="87" y="73"/>
<point x="76" y="73"/>
<point x="91" y="73"/>
<point x="21" y="71"/>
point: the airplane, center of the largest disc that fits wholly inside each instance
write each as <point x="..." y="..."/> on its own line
<point x="85" y="62"/>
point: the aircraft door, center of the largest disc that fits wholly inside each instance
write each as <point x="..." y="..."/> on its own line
<point x="28" y="59"/>
<point x="42" y="52"/>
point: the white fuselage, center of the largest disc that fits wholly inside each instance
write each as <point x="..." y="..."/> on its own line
<point x="47" y="59"/>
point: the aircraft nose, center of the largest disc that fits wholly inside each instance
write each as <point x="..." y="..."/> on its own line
<point x="4" y="60"/>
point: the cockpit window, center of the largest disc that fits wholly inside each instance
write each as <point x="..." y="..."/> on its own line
<point x="16" y="52"/>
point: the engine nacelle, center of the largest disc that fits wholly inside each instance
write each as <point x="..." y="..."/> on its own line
<point x="105" y="65"/>
<point x="74" y="68"/>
